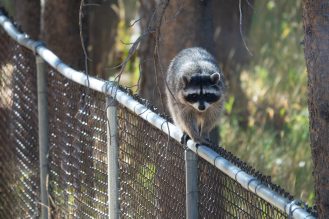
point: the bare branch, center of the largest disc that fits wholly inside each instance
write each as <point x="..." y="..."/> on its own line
<point x="127" y="44"/>
<point x="135" y="21"/>
<point x="91" y="4"/>
<point x="249" y="4"/>
<point x="157" y="63"/>
<point x="81" y="38"/>
<point x="83" y="95"/>
<point x="241" y="31"/>
<point x="131" y="52"/>
<point x="153" y="27"/>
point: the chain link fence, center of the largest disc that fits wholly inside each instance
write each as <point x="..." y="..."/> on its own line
<point x="19" y="169"/>
<point x="151" y="164"/>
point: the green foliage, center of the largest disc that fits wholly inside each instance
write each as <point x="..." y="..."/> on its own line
<point x="277" y="139"/>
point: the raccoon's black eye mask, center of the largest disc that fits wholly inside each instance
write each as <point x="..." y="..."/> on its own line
<point x="192" y="98"/>
<point x="207" y="97"/>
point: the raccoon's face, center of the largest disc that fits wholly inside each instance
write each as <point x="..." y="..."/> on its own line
<point x="202" y="90"/>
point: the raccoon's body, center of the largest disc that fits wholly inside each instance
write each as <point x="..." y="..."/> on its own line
<point x="195" y="93"/>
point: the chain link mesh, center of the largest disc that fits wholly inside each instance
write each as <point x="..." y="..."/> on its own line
<point x="151" y="165"/>
<point x="19" y="175"/>
<point x="78" y="160"/>
<point x="151" y="170"/>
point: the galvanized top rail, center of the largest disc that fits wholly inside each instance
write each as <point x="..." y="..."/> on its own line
<point x="246" y="180"/>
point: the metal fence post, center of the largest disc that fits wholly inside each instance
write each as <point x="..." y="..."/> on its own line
<point x="192" y="191"/>
<point x="112" y="158"/>
<point x="43" y="135"/>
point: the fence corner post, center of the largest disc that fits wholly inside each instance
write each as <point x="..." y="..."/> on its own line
<point x="112" y="158"/>
<point x="192" y="191"/>
<point x="43" y="136"/>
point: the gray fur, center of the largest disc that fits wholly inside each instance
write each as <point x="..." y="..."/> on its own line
<point x="190" y="62"/>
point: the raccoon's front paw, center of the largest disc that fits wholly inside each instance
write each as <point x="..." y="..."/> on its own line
<point x="185" y="138"/>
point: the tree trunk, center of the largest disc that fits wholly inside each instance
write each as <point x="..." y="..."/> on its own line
<point x="316" y="25"/>
<point x="60" y="30"/>
<point x="145" y="53"/>
<point x="181" y="27"/>
<point x="185" y="24"/>
<point x="28" y="16"/>
<point x="230" y="49"/>
<point x="103" y="22"/>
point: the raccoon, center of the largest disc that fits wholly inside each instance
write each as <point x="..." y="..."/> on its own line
<point x="195" y="93"/>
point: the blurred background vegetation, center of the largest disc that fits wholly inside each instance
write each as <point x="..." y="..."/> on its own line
<point x="276" y="139"/>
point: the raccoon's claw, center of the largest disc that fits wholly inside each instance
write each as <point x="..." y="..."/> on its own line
<point x="185" y="138"/>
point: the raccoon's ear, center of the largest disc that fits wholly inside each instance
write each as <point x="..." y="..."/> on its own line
<point x="185" y="80"/>
<point x="215" y="77"/>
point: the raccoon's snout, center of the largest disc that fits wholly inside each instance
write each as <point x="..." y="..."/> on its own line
<point x="202" y="107"/>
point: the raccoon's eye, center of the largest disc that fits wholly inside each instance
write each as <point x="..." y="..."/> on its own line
<point x="192" y="98"/>
<point x="207" y="96"/>
<point x="210" y="98"/>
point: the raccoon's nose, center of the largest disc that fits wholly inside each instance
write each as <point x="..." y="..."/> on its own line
<point x="202" y="107"/>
